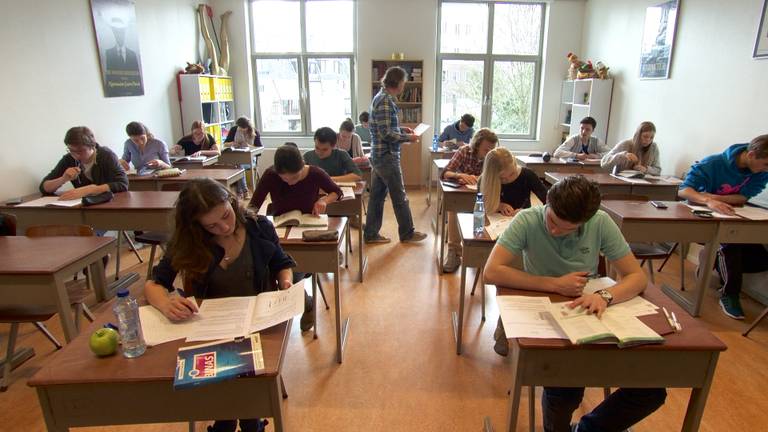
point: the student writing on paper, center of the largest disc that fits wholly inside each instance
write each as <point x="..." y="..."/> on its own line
<point x="221" y="250"/>
<point x="362" y="128"/>
<point x="143" y="150"/>
<point x="582" y="146"/>
<point x="91" y="168"/>
<point x="640" y="153"/>
<point x="461" y="131"/>
<point x="720" y="182"/>
<point x="293" y="185"/>
<point x="197" y="143"/>
<point x="243" y="135"/>
<point x="507" y="187"/>
<point x="560" y="244"/>
<point x="351" y="142"/>
<point x="465" y="167"/>
<point x="336" y="163"/>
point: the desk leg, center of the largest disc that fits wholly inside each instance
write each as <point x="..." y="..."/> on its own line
<point x="117" y="255"/>
<point x="698" y="399"/>
<point x="64" y="308"/>
<point x="515" y="387"/>
<point x="51" y="424"/>
<point x="441" y="239"/>
<point x="458" y="321"/>
<point x="314" y="302"/>
<point x="341" y="328"/>
<point x="360" y="260"/>
<point x="429" y="183"/>
<point x="694" y="307"/>
<point x="98" y="279"/>
<point x="276" y="401"/>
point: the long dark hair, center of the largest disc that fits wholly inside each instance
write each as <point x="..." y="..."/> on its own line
<point x="641" y="152"/>
<point x="190" y="245"/>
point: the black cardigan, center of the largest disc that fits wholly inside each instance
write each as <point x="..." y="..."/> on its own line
<point x="106" y="170"/>
<point x="265" y="251"/>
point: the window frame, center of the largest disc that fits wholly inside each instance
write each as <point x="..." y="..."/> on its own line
<point x="302" y="60"/>
<point x="489" y="59"/>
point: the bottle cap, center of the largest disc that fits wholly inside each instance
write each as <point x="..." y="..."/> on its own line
<point x="123" y="293"/>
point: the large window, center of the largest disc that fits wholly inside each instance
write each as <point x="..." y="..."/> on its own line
<point x="489" y="64"/>
<point x="303" y="58"/>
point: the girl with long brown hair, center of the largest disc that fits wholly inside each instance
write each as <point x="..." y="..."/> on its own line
<point x="640" y="153"/>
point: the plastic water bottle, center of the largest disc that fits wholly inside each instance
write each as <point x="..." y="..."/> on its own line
<point x="128" y="324"/>
<point x="479" y="215"/>
<point x="435" y="143"/>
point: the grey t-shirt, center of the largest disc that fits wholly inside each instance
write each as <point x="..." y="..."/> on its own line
<point x="237" y="279"/>
<point x="338" y="163"/>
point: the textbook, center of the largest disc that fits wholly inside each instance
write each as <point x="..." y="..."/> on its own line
<point x="218" y="361"/>
<point x="296" y="218"/>
<point x="168" y="172"/>
<point x="52" y="201"/>
<point x="615" y="326"/>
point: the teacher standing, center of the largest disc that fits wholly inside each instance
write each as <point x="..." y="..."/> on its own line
<point x="387" y="175"/>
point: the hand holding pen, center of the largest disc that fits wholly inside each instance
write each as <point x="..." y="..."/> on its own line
<point x="178" y="308"/>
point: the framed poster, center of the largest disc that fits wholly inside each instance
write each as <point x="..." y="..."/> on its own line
<point x="761" y="43"/>
<point x="117" y="40"/>
<point x="658" y="40"/>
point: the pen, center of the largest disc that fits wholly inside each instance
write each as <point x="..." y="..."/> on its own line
<point x="678" y="327"/>
<point x="669" y="319"/>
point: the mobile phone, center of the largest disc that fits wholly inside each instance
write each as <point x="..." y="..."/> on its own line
<point x="659" y="205"/>
<point x="13" y="201"/>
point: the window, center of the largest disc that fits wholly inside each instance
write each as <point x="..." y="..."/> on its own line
<point x="303" y="58"/>
<point x="489" y="64"/>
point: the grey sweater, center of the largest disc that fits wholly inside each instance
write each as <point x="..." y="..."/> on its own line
<point x="618" y="157"/>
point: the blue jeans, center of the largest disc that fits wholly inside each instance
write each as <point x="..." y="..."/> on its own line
<point x="387" y="176"/>
<point x="623" y="408"/>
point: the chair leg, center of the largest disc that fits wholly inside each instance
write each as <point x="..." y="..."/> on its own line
<point x="132" y="246"/>
<point x="282" y="388"/>
<point x="474" y="283"/>
<point x="40" y="326"/>
<point x="322" y="293"/>
<point x="9" y="356"/>
<point x="532" y="408"/>
<point x="191" y="426"/>
<point x="87" y="313"/>
<point x="650" y="271"/>
<point x="151" y="261"/>
<point x="671" y="251"/>
<point x="606" y="392"/>
<point x="756" y="322"/>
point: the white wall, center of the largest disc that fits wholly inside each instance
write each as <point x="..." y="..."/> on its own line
<point x="716" y="94"/>
<point x="52" y="82"/>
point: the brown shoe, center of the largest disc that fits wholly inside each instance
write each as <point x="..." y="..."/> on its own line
<point x="415" y="237"/>
<point x="377" y="239"/>
<point x="452" y="262"/>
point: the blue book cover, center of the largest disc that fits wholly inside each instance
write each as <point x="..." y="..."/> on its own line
<point x="217" y="361"/>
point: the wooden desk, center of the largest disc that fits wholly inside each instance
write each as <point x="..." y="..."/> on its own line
<point x="322" y="257"/>
<point x="457" y="200"/>
<point x="439" y="165"/>
<point x="249" y="156"/>
<point x="225" y="176"/>
<point x="537" y="165"/>
<point x="75" y="387"/>
<point x="475" y="250"/>
<point x="33" y="272"/>
<point x="351" y="207"/>
<point x="641" y="222"/>
<point x="686" y="359"/>
<point x="194" y="164"/>
<point x="659" y="190"/>
<point x="441" y="154"/>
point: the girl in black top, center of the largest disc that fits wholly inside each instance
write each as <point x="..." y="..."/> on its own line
<point x="198" y="143"/>
<point x="506" y="187"/>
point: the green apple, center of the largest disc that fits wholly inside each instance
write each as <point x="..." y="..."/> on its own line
<point x="103" y="342"/>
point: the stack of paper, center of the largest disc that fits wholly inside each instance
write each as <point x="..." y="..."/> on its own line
<point x="714" y="213"/>
<point x="51" y="201"/>
<point x="631" y="180"/>
<point x="498" y="224"/>
<point x="347" y="192"/>
<point x="346" y="184"/>
<point x="753" y="213"/>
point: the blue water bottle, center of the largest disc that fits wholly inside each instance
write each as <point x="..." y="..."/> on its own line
<point x="478" y="220"/>
<point x="435" y="143"/>
<point x="129" y="325"/>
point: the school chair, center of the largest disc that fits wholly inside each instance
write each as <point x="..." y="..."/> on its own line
<point x="756" y="322"/>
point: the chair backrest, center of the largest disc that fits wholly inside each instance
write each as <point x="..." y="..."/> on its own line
<point x="60" y="231"/>
<point x="7" y="224"/>
<point x="625" y="197"/>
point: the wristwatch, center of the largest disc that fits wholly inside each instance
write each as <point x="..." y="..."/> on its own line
<point x="607" y="296"/>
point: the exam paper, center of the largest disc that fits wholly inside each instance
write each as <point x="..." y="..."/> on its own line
<point x="158" y="329"/>
<point x="274" y="307"/>
<point x="529" y="317"/>
<point x="498" y="224"/>
<point x="631" y="180"/>
<point x="347" y="192"/>
<point x="753" y="213"/>
<point x="714" y="213"/>
<point x="51" y="200"/>
<point x="420" y="129"/>
<point x="297" y="232"/>
<point x="223" y="318"/>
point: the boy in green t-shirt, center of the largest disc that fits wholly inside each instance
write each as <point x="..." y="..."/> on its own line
<point x="560" y="244"/>
<point x="337" y="163"/>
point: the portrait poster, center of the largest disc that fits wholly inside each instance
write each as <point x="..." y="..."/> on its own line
<point x="761" y="44"/>
<point x="658" y="40"/>
<point x="117" y="39"/>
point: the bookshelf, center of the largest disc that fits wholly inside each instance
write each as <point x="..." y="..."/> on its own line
<point x="209" y="98"/>
<point x="582" y="98"/>
<point x="411" y="111"/>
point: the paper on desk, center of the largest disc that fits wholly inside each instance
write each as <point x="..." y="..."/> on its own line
<point x="529" y="317"/>
<point x="714" y="213"/>
<point x="297" y="232"/>
<point x="51" y="201"/>
<point x="274" y="307"/>
<point x="346" y="184"/>
<point x="631" y="180"/>
<point x="158" y="329"/>
<point x="668" y="179"/>
<point x="223" y="318"/>
<point x="498" y="224"/>
<point x="420" y="129"/>
<point x="281" y="232"/>
<point x="753" y="213"/>
<point x="636" y="306"/>
<point x="472" y="187"/>
<point x="347" y="192"/>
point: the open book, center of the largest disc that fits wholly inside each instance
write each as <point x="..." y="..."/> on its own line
<point x="52" y="201"/>
<point x="296" y="218"/>
<point x="615" y="326"/>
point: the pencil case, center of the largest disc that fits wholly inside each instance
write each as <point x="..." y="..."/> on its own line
<point x="98" y="199"/>
<point x="319" y="235"/>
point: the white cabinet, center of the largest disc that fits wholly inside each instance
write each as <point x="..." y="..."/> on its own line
<point x="582" y="98"/>
<point x="208" y="98"/>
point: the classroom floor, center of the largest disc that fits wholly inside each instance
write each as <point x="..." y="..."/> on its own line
<point x="400" y="370"/>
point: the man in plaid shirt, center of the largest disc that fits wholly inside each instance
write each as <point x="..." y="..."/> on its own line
<point x="387" y="175"/>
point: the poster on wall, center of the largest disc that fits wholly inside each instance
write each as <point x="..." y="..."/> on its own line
<point x="761" y="44"/>
<point x="117" y="39"/>
<point x="658" y="39"/>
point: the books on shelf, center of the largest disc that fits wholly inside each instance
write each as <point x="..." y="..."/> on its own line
<point x="296" y="218"/>
<point x="218" y="361"/>
<point x="52" y="201"/>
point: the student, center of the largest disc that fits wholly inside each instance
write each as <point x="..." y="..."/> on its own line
<point x="293" y="185"/>
<point x="362" y="129"/>
<point x="560" y="244"/>
<point x="461" y="131"/>
<point x="465" y="167"/>
<point x="507" y="187"/>
<point x="221" y="250"/>
<point x="143" y="149"/>
<point x="387" y="175"/>
<point x="640" y="153"/>
<point x="198" y="143"/>
<point x="350" y="142"/>
<point x="584" y="145"/>
<point x="90" y="168"/>
<point x="243" y="135"/>
<point x="336" y="163"/>
<point x="722" y="181"/>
